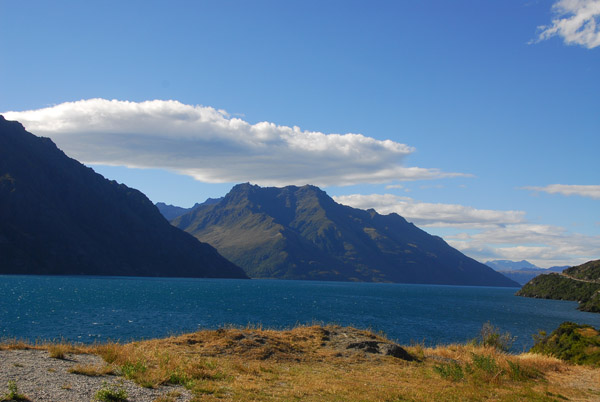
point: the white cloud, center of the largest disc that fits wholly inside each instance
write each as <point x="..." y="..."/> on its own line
<point x="577" y="23"/>
<point x="432" y="214"/>
<point x="591" y="191"/>
<point x="490" y="234"/>
<point x="211" y="146"/>
<point x="542" y="245"/>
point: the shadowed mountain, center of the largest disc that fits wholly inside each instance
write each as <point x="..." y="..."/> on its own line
<point x="58" y="217"/>
<point x="171" y="212"/>
<point x="301" y="233"/>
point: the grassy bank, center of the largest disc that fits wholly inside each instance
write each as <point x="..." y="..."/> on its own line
<point x="331" y="363"/>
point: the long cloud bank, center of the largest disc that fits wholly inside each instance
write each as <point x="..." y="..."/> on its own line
<point x="488" y="234"/>
<point x="576" y="23"/>
<point x="432" y="214"/>
<point x="213" y="147"/>
<point x="590" y="191"/>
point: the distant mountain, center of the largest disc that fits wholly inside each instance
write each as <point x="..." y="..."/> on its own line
<point x="520" y="271"/>
<point x="58" y="217"/>
<point x="302" y="233"/>
<point x="580" y="283"/>
<point x="171" y="212"/>
<point x="507" y="265"/>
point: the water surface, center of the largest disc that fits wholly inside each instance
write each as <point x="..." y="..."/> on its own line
<point x="87" y="309"/>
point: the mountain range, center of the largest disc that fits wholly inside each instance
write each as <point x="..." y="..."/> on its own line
<point x="302" y="233"/>
<point x="58" y="216"/>
<point x="521" y="271"/>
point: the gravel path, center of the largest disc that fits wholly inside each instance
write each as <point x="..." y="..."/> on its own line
<point x="42" y="378"/>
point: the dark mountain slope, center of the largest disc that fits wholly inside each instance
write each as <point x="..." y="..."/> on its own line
<point x="60" y="217"/>
<point x="171" y="212"/>
<point x="301" y="233"/>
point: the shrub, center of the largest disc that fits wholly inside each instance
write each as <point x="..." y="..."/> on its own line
<point x="111" y="393"/>
<point x="491" y="336"/>
<point x="575" y="343"/>
<point x="485" y="363"/>
<point x="522" y="373"/>
<point x="451" y="371"/>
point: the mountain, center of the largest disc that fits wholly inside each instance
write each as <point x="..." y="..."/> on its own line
<point x="507" y="265"/>
<point x="58" y="217"/>
<point x="302" y="233"/>
<point x="580" y="283"/>
<point x="171" y="212"/>
<point x="520" y="271"/>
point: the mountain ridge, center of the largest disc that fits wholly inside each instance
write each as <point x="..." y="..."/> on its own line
<point x="59" y="217"/>
<point x="302" y="233"/>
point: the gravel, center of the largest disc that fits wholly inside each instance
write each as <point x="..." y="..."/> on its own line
<point x="42" y="378"/>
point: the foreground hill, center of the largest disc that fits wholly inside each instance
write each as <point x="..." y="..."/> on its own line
<point x="315" y="363"/>
<point x="60" y="217"/>
<point x="302" y="233"/>
<point x="580" y="283"/>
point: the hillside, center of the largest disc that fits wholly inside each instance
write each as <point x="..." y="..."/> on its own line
<point x="302" y="233"/>
<point x="58" y="217"/>
<point x="580" y="283"/>
<point x="307" y="363"/>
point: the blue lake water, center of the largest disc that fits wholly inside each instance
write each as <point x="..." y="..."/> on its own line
<point x="88" y="309"/>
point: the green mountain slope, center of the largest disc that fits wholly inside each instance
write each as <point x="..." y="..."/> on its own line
<point x="301" y="233"/>
<point x="58" y="217"/>
<point x="580" y="283"/>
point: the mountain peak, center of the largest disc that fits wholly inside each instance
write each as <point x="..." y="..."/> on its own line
<point x="301" y="233"/>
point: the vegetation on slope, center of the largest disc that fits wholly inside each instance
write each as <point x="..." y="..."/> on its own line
<point x="575" y="343"/>
<point x="580" y="283"/>
<point x="590" y="271"/>
<point x="302" y="233"/>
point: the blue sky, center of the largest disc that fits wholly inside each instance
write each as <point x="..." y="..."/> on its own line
<point x="479" y="121"/>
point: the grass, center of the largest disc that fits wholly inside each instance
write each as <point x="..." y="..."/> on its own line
<point x="13" y="393"/>
<point x="59" y="350"/>
<point x="312" y="363"/>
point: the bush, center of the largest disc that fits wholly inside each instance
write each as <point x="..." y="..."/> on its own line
<point x="111" y="393"/>
<point x="491" y="336"/>
<point x="451" y="371"/>
<point x="575" y="343"/>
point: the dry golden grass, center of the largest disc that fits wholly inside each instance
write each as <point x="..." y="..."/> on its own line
<point x="17" y="344"/>
<point x="315" y="363"/>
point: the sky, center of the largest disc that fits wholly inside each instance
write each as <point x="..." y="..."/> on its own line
<point x="478" y="121"/>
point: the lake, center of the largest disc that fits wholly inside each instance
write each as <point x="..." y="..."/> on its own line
<point x="88" y="309"/>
